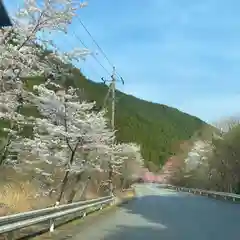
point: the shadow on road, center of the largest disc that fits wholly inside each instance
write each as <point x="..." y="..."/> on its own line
<point x="178" y="216"/>
<point x="135" y="233"/>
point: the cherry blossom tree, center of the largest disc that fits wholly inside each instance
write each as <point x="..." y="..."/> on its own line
<point x="131" y="164"/>
<point x="125" y="161"/>
<point x="20" y="48"/>
<point x="67" y="131"/>
<point x="23" y="54"/>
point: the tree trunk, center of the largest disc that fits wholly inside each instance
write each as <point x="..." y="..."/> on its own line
<point x="110" y="176"/>
<point x="63" y="185"/>
<point x="65" y="179"/>
<point x="5" y="151"/>
<point x="13" y="125"/>
<point x="75" y="188"/>
<point x="84" y="189"/>
<point x="238" y="188"/>
<point x="122" y="182"/>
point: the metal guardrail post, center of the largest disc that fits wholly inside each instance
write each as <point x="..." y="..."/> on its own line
<point x="112" y="202"/>
<point x="51" y="229"/>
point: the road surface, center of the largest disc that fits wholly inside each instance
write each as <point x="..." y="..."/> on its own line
<point x="167" y="215"/>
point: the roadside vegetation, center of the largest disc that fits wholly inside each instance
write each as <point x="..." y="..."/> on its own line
<point x="211" y="162"/>
<point x="55" y="145"/>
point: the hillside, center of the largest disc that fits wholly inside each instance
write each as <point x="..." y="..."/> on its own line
<point x="157" y="128"/>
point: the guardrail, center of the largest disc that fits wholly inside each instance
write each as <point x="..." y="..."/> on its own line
<point x="223" y="195"/>
<point x="21" y="220"/>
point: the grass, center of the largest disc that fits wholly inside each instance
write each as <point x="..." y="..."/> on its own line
<point x="21" y="197"/>
<point x="18" y="193"/>
<point x="18" y="197"/>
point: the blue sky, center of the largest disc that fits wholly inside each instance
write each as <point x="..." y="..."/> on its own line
<point x="183" y="53"/>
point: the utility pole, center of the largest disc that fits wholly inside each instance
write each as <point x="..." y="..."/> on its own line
<point x="112" y="89"/>
<point x="113" y="86"/>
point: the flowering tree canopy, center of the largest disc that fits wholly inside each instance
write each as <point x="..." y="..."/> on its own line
<point x="64" y="131"/>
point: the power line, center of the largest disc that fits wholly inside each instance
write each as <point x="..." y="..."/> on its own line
<point x="101" y="50"/>
<point x="94" y="41"/>
<point x="95" y="58"/>
<point x="80" y="40"/>
<point x="89" y="65"/>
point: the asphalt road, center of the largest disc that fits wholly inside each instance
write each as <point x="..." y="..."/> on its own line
<point x="163" y="215"/>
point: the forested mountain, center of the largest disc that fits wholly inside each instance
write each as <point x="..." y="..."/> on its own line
<point x="156" y="127"/>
